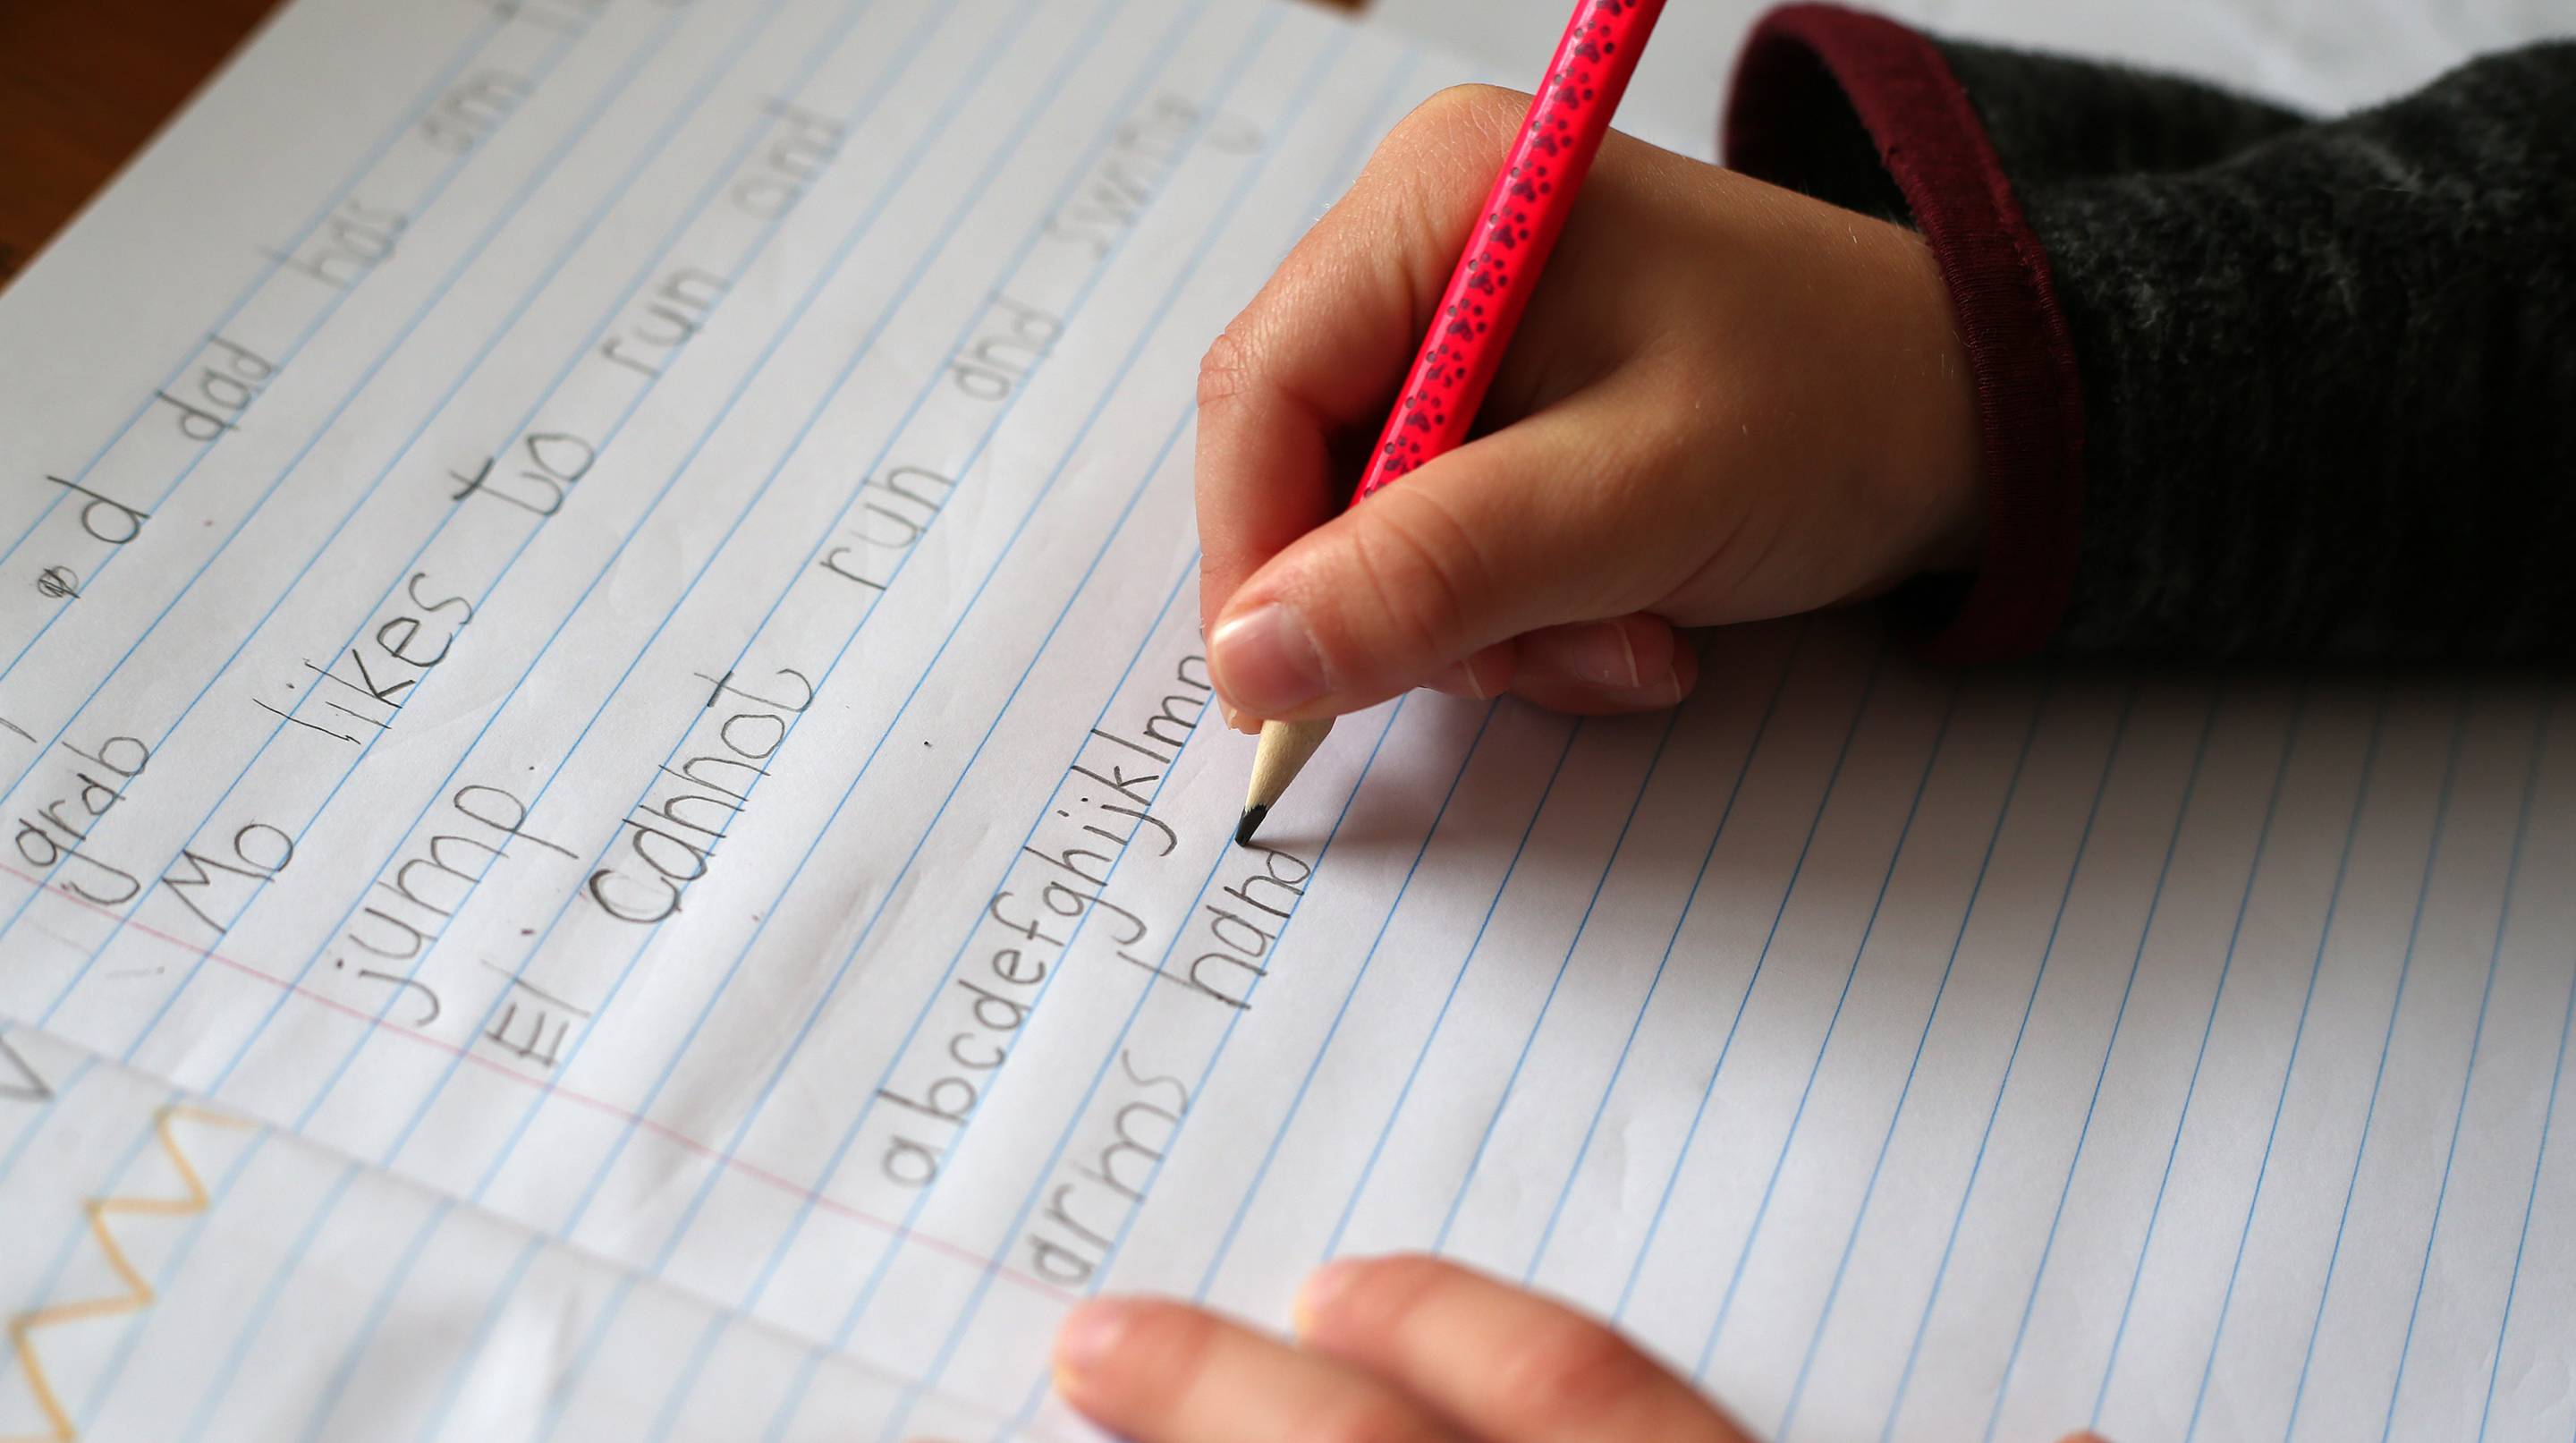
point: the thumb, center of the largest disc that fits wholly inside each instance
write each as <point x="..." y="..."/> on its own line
<point x="1503" y="536"/>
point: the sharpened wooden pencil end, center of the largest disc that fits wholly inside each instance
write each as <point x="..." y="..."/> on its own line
<point x="1282" y="754"/>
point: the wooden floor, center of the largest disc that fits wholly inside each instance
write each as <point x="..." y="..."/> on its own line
<point x="83" y="83"/>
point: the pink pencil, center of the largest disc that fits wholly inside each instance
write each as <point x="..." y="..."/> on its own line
<point x="1524" y="212"/>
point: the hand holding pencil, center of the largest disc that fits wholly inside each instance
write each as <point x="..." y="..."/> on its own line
<point x="1725" y="402"/>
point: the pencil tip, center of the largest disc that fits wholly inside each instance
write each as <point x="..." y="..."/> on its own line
<point x="1251" y="821"/>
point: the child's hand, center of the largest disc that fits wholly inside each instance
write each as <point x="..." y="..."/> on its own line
<point x="1727" y="402"/>
<point x="1399" y="1350"/>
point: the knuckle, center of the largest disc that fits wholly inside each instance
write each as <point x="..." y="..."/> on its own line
<point x="1454" y="138"/>
<point x="1570" y="1370"/>
<point x="1453" y="109"/>
<point x="1225" y="371"/>
<point x="1422" y="569"/>
<point x="1422" y="186"/>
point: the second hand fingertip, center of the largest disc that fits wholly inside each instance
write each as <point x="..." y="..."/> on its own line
<point x="1321" y="1287"/>
<point x="1087" y="1339"/>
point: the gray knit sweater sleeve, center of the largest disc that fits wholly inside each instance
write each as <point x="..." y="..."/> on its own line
<point x="2254" y="384"/>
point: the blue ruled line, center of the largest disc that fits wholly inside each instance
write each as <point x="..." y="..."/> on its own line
<point x="1654" y="985"/>
<point x="2477" y="1035"/>
<point x="2370" y="1112"/>
<point x="850" y="956"/>
<point x="862" y="226"/>
<point x="509" y="211"/>
<point x="885" y="1261"/>
<point x="2012" y="1060"/>
<point x="671" y="1063"/>
<point x="2093" y="1101"/>
<point x="686" y="1380"/>
<point x="1297" y="1100"/>
<point x="2530" y="1201"/>
<point x="2317" y="964"/>
<point x="864" y="108"/>
<point x="1529" y="1040"/>
<point x="355" y="1351"/>
<point x="715" y="1328"/>
<point x="651" y="152"/>
<point x="256" y="1319"/>
<point x="1338" y="176"/>
<point x="437" y="293"/>
<point x="2190" y="1091"/>
<point x="1807" y="1090"/>
<point x="1339" y="173"/>
<point x="1091" y="1090"/>
<point x="921" y="398"/>
<point x="1127" y="1225"/>
<point x="705" y="1189"/>
<point x="823" y="403"/>
<point x="1743" y="999"/>
<point x="115" y="1182"/>
<point x="132" y="1328"/>
<point x="1377" y="1149"/>
<point x="429" y="95"/>
<point x="832" y="1163"/>
<point x="1932" y="1014"/>
<point x="558" y="1398"/>
<point x="685" y="1385"/>
<point x="973" y="76"/>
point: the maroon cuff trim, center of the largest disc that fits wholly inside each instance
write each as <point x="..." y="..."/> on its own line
<point x="2030" y="407"/>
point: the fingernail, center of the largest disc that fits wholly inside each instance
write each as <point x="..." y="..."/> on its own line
<point x="1603" y="655"/>
<point x="1663" y="691"/>
<point x="1460" y="680"/>
<point x="1322" y="1286"/>
<point x="1265" y="660"/>
<point x="1089" y="1335"/>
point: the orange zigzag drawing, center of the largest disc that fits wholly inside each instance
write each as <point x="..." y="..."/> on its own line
<point x="138" y="1293"/>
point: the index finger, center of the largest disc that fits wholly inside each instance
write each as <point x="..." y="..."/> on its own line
<point x="1162" y="1372"/>
<point x="1500" y="1363"/>
<point x="1316" y="357"/>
